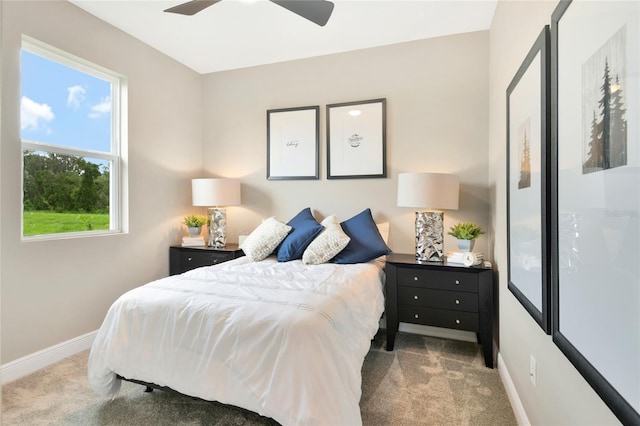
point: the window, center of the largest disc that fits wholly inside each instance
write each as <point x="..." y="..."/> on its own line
<point x="71" y="132"/>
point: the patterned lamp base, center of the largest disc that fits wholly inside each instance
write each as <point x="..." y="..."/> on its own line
<point x="217" y="221"/>
<point x="429" y="236"/>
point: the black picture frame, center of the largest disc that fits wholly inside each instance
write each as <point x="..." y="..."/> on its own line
<point x="528" y="182"/>
<point x="356" y="140"/>
<point x="595" y="271"/>
<point x="293" y="141"/>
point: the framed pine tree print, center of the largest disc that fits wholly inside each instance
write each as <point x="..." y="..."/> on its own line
<point x="596" y="204"/>
<point x="528" y="138"/>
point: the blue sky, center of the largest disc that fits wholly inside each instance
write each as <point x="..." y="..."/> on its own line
<point x="63" y="106"/>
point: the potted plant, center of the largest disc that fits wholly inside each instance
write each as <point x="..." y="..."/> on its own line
<point x="466" y="233"/>
<point x="194" y="223"/>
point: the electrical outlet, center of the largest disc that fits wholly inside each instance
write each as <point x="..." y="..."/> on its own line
<point x="532" y="370"/>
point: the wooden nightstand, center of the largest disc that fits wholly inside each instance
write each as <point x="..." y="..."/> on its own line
<point x="440" y="295"/>
<point x="182" y="259"/>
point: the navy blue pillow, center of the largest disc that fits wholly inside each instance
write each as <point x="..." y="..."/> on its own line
<point x="304" y="229"/>
<point x="366" y="242"/>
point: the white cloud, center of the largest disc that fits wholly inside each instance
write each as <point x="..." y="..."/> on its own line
<point x="34" y="115"/>
<point x="76" y="96"/>
<point x="104" y="107"/>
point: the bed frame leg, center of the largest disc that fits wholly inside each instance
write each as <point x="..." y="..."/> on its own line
<point x="148" y="389"/>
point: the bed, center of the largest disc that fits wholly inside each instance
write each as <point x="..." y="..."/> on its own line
<point x="286" y="340"/>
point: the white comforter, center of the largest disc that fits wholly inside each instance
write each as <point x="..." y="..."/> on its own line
<point x="285" y="340"/>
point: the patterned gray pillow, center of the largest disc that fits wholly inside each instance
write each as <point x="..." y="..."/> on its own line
<point x="331" y="241"/>
<point x="265" y="238"/>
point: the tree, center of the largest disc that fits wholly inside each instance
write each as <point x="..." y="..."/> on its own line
<point x="525" y="165"/>
<point x="608" y="138"/>
<point x="618" y="127"/>
<point x="64" y="183"/>
<point x="605" y="111"/>
<point x="594" y="158"/>
<point x="86" y="196"/>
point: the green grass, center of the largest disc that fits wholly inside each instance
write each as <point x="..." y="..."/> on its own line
<point x="42" y="222"/>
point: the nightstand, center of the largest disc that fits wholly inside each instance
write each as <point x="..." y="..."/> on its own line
<point x="440" y="295"/>
<point x="182" y="259"/>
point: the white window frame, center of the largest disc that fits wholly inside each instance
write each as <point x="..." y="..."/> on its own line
<point x="118" y="217"/>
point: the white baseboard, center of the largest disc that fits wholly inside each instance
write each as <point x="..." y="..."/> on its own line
<point x="28" y="364"/>
<point x="512" y="393"/>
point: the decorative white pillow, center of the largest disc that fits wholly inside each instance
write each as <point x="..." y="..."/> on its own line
<point x="331" y="241"/>
<point x="264" y="239"/>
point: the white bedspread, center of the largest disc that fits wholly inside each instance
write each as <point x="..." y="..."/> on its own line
<point x="285" y="340"/>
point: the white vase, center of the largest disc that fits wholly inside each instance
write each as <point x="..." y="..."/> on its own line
<point x="465" y="245"/>
<point x="194" y="231"/>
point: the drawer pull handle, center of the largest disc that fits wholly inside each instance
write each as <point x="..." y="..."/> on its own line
<point x="457" y="282"/>
<point x="415" y="278"/>
<point x="415" y="297"/>
<point x="457" y="302"/>
<point x="457" y="321"/>
<point x="416" y="316"/>
<point x="189" y="259"/>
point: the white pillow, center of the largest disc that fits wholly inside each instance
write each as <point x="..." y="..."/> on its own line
<point x="331" y="241"/>
<point x="264" y="239"/>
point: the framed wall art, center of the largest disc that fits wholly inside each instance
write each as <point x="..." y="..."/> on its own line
<point x="356" y="140"/>
<point x="292" y="143"/>
<point x="528" y="139"/>
<point x="596" y="208"/>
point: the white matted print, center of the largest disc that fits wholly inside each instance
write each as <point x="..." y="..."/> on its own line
<point x="528" y="180"/>
<point x="596" y="285"/>
<point x="356" y="142"/>
<point x="292" y="143"/>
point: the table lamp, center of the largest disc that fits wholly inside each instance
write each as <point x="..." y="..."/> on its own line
<point x="216" y="193"/>
<point x="435" y="192"/>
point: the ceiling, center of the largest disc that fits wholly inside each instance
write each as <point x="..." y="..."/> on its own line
<point x="242" y="33"/>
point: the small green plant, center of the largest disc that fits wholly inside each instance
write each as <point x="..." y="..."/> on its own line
<point x="194" y="220"/>
<point x="466" y="231"/>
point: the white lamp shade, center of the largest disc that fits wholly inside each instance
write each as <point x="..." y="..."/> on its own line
<point x="215" y="192"/>
<point x="428" y="190"/>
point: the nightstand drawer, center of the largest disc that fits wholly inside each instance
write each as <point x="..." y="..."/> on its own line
<point x="439" y="317"/>
<point x="439" y="280"/>
<point x="428" y="298"/>
<point x="182" y="259"/>
<point x="192" y="260"/>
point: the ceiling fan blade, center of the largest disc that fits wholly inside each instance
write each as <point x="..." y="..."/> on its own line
<point x="317" y="11"/>
<point x="191" y="7"/>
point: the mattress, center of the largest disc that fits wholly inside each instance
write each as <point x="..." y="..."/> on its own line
<point x="283" y="339"/>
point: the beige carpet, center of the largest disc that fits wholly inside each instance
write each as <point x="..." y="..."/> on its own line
<point x="424" y="381"/>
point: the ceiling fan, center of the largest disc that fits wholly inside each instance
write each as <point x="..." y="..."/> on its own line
<point x="317" y="11"/>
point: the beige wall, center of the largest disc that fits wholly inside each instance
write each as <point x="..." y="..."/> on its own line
<point x="561" y="396"/>
<point x="53" y="291"/>
<point x="436" y="91"/>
